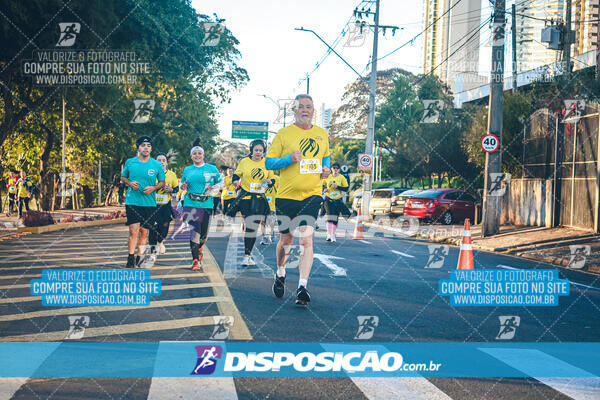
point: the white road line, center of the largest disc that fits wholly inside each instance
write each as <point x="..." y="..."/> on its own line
<point x="364" y="241"/>
<point x="326" y="261"/>
<point x="406" y="388"/>
<point x="191" y="388"/>
<point x="402" y="254"/>
<point x="232" y="255"/>
<point x="570" y="281"/>
<point x="541" y="366"/>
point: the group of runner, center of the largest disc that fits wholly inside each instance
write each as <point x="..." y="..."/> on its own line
<point x="20" y="189"/>
<point x="292" y="199"/>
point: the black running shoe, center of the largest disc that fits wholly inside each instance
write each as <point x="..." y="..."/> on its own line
<point x="137" y="261"/>
<point x="130" y="261"/>
<point x="279" y="286"/>
<point x="302" y="296"/>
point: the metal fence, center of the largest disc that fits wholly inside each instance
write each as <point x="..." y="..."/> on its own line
<point x="575" y="178"/>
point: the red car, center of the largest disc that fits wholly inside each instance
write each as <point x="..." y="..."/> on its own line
<point x="444" y="205"/>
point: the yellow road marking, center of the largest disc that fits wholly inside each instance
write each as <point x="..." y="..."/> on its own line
<point x="239" y="330"/>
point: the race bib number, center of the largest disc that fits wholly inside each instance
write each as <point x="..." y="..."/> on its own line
<point x="231" y="193"/>
<point x="310" y="166"/>
<point x="162" y="198"/>
<point x="270" y="199"/>
<point x="335" y="195"/>
<point x="257" y="188"/>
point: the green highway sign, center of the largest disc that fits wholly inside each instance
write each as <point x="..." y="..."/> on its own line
<point x="249" y="130"/>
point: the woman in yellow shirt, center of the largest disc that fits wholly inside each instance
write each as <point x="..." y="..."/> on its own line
<point x="336" y="183"/>
<point x="254" y="179"/>
<point x="164" y="211"/>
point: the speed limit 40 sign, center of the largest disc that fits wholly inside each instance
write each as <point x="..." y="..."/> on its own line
<point x="490" y="143"/>
<point x="365" y="164"/>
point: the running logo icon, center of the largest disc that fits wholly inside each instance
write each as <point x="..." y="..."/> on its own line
<point x="68" y="33"/>
<point x="508" y="327"/>
<point x="366" y="326"/>
<point x="258" y="174"/>
<point x="222" y="327"/>
<point x="578" y="256"/>
<point x="357" y="34"/>
<point x="285" y="109"/>
<point x="77" y="323"/>
<point x="431" y="111"/>
<point x="207" y="359"/>
<point x="212" y="33"/>
<point x="498" y="183"/>
<point x="142" y="111"/>
<point x="437" y="255"/>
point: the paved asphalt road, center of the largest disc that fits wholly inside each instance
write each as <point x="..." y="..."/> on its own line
<point x="383" y="276"/>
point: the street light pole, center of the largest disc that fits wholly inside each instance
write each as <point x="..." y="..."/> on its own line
<point x="63" y="176"/>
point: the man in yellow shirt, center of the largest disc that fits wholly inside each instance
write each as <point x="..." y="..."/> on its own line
<point x="301" y="153"/>
<point x="24" y="189"/>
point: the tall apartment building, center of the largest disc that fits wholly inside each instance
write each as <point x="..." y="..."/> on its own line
<point x="585" y="23"/>
<point x="450" y="34"/>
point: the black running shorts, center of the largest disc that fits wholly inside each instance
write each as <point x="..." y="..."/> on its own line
<point x="294" y="213"/>
<point x="145" y="216"/>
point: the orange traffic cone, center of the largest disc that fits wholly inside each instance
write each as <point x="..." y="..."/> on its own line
<point x="358" y="228"/>
<point x="465" y="258"/>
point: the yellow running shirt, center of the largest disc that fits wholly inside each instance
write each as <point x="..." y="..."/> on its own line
<point x="229" y="189"/>
<point x="334" y="193"/>
<point x="163" y="197"/>
<point x="253" y="174"/>
<point x="271" y="193"/>
<point x="300" y="180"/>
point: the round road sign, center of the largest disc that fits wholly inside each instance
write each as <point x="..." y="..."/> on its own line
<point x="490" y="143"/>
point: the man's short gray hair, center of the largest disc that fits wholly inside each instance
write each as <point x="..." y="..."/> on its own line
<point x="297" y="100"/>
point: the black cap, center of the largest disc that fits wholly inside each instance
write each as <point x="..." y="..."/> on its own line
<point x="143" y="139"/>
<point x="334" y="165"/>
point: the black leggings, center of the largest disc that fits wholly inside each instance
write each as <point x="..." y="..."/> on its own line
<point x="254" y="212"/>
<point x="23" y="200"/>
<point x="160" y="229"/>
<point x="334" y="208"/>
<point x="199" y="219"/>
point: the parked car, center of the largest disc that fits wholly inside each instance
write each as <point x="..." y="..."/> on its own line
<point x="382" y="201"/>
<point x="357" y="202"/>
<point x="399" y="200"/>
<point x="445" y="205"/>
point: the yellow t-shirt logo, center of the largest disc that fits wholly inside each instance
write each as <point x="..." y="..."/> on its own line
<point x="308" y="146"/>
<point x="258" y="174"/>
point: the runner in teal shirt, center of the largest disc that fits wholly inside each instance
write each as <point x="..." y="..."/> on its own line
<point x="200" y="181"/>
<point x="144" y="176"/>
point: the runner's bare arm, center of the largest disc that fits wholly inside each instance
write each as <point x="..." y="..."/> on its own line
<point x="132" y="184"/>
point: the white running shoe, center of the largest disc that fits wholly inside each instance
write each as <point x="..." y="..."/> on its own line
<point x="328" y="238"/>
<point x="248" y="261"/>
<point x="161" y="248"/>
<point x="333" y="237"/>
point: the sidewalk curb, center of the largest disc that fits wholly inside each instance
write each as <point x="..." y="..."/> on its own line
<point x="69" y="225"/>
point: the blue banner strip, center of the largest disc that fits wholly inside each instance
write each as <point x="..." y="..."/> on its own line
<point x="257" y="359"/>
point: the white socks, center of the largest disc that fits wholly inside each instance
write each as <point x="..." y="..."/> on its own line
<point x="302" y="282"/>
<point x="280" y="271"/>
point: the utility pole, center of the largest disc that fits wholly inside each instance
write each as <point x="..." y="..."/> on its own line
<point x="307" y="83"/>
<point x="367" y="179"/>
<point x="567" y="39"/>
<point x="514" y="48"/>
<point x="492" y="203"/>
<point x="100" y="182"/>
